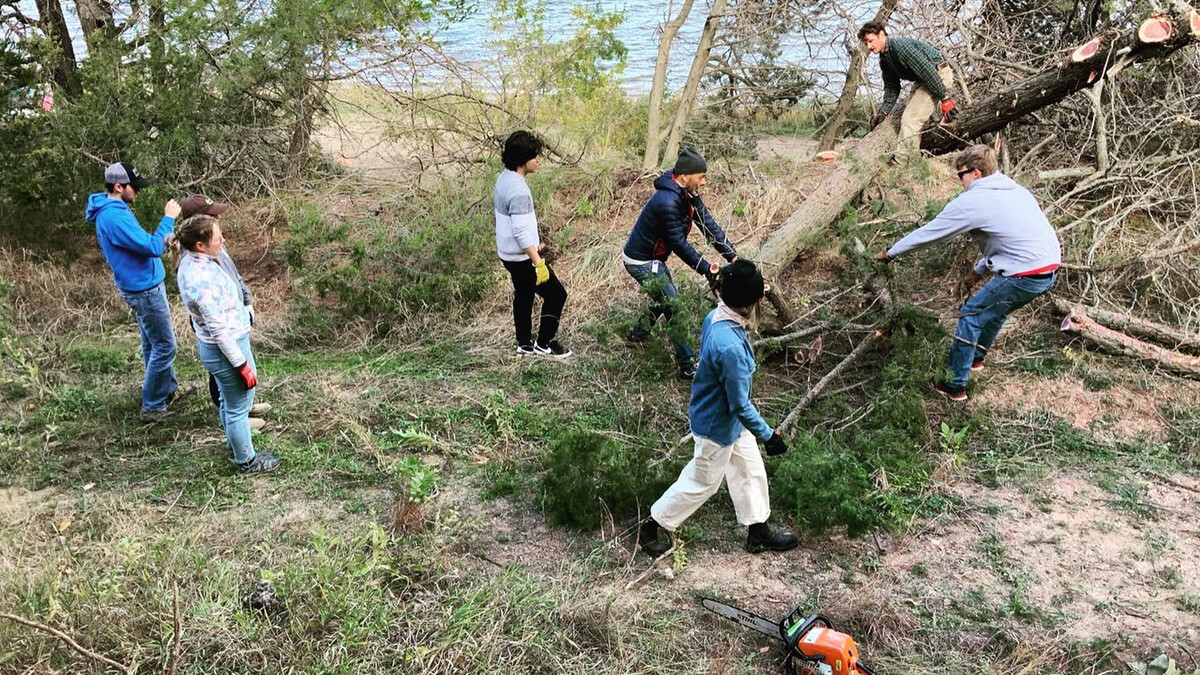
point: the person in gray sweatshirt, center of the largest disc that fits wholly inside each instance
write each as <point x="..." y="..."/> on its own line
<point x="1020" y="249"/>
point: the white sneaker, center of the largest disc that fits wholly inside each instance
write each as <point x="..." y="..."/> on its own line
<point x="257" y="423"/>
<point x="555" y="350"/>
<point x="260" y="409"/>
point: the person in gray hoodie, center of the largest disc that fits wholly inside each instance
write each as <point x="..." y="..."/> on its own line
<point x="1020" y="249"/>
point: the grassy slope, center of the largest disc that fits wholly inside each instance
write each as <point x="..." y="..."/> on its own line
<point x="102" y="516"/>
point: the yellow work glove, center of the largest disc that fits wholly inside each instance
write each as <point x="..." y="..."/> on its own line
<point x="542" y="272"/>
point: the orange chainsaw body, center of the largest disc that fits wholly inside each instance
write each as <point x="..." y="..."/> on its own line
<point x="836" y="650"/>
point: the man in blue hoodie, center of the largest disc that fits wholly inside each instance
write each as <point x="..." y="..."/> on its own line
<point x="1020" y="249"/>
<point x="661" y="229"/>
<point x="724" y="425"/>
<point x="136" y="261"/>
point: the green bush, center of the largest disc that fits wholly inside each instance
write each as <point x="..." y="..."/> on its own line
<point x="871" y="474"/>
<point x="435" y="255"/>
<point x="584" y="469"/>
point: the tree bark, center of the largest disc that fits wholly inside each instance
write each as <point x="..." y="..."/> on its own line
<point x="687" y="100"/>
<point x="1163" y="335"/>
<point x="858" y="57"/>
<point x="54" y="25"/>
<point x="653" y="123"/>
<point x="825" y="203"/>
<point x="95" y="18"/>
<point x="1050" y="86"/>
<point x="1078" y="323"/>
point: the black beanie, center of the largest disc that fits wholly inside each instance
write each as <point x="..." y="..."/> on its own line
<point x="741" y="284"/>
<point x="690" y="161"/>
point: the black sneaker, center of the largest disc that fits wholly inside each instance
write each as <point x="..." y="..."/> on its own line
<point x="687" y="371"/>
<point x="525" y="350"/>
<point x="554" y="349"/>
<point x="262" y="463"/>
<point x="648" y="539"/>
<point x="152" y="416"/>
<point x="767" y="537"/>
<point x="950" y="391"/>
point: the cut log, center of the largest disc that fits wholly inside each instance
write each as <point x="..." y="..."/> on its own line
<point x="825" y="203"/>
<point x="1078" y="323"/>
<point x="1086" y="50"/>
<point x="1155" y="30"/>
<point x="1166" y="336"/>
<point x="1007" y="104"/>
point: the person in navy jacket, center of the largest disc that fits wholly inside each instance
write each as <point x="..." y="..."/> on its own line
<point x="661" y="229"/>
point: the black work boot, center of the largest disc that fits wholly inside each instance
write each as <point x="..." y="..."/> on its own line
<point x="649" y="540"/>
<point x="766" y="537"/>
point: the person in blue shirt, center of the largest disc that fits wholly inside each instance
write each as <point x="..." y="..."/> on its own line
<point x="135" y="258"/>
<point x="724" y="426"/>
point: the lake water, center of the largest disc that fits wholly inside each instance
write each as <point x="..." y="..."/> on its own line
<point x="821" y="50"/>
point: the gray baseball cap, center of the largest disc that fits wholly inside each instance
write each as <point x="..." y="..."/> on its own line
<point x="125" y="174"/>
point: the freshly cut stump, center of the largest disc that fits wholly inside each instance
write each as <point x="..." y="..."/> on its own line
<point x="1154" y="30"/>
<point x="1086" y="50"/>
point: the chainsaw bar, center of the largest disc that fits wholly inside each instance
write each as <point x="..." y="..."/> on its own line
<point x="758" y="623"/>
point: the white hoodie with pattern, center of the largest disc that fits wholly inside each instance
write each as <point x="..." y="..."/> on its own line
<point x="214" y="302"/>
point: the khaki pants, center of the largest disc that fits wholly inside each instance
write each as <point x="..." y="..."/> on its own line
<point x="740" y="465"/>
<point x="918" y="110"/>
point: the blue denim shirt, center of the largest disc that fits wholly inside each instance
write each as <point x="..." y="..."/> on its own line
<point x="720" y="408"/>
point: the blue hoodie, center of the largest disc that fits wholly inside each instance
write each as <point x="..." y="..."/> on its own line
<point x="133" y="255"/>
<point x="720" y="407"/>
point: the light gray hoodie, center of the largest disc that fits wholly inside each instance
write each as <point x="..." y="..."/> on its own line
<point x="1005" y="222"/>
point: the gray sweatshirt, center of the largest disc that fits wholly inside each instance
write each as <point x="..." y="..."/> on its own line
<point x="516" y="224"/>
<point x="1005" y="222"/>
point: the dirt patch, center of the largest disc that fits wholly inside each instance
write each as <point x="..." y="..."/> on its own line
<point x="17" y="503"/>
<point x="798" y="149"/>
<point x="1114" y="413"/>
<point x="1062" y="554"/>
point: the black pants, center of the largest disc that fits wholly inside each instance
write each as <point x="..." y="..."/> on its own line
<point x="525" y="286"/>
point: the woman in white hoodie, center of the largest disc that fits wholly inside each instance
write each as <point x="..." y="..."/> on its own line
<point x="222" y="325"/>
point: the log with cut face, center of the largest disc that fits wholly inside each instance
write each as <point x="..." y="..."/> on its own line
<point x="1154" y="30"/>
<point x="1086" y="50"/>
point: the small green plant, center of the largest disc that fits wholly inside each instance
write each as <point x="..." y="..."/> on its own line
<point x="951" y="440"/>
<point x="418" y="480"/>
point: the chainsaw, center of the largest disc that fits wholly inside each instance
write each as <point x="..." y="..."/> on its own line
<point x="812" y="643"/>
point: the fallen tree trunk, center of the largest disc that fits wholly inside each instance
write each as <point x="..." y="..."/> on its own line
<point x="825" y="203"/>
<point x="1148" y="330"/>
<point x="1078" y="323"/>
<point x="1083" y="68"/>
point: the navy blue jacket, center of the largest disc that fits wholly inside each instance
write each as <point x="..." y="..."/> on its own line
<point x="664" y="224"/>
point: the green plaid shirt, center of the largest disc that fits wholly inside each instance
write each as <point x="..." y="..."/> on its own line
<point x="909" y="59"/>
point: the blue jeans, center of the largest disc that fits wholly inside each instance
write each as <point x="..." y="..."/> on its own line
<point x="158" y="345"/>
<point x="979" y="320"/>
<point x="236" y="399"/>
<point x="655" y="280"/>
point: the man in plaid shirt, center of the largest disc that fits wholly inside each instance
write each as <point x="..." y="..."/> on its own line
<point x="913" y="60"/>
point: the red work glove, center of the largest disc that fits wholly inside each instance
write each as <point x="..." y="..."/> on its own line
<point x="949" y="112"/>
<point x="248" y="375"/>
